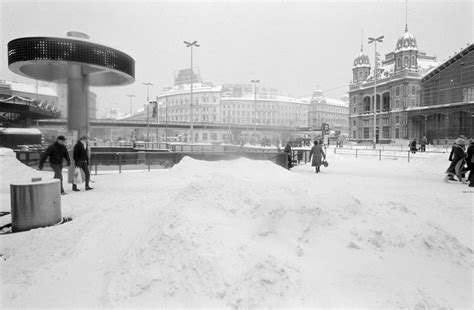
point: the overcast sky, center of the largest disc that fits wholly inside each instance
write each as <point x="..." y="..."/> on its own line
<point x="291" y="46"/>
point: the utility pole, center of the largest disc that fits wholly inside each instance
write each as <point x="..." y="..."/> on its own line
<point x="191" y="45"/>
<point x="166" y="118"/>
<point x="379" y="39"/>
<point x="255" y="82"/>
<point x="131" y="104"/>
<point x="147" y="84"/>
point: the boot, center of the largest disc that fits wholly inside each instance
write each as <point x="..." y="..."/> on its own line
<point x="74" y="188"/>
<point x="88" y="188"/>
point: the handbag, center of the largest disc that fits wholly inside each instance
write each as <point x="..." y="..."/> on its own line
<point x="77" y="179"/>
<point x="325" y="163"/>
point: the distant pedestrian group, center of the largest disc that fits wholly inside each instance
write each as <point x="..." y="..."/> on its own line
<point x="462" y="162"/>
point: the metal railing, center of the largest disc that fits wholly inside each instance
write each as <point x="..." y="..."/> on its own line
<point x="168" y="159"/>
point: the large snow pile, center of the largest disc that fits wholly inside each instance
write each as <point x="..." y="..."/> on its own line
<point x="244" y="233"/>
<point x="11" y="171"/>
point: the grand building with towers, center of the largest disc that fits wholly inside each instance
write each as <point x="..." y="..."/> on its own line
<point x="398" y="86"/>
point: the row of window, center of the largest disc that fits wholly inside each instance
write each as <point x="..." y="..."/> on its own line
<point x="406" y="62"/>
<point x="366" y="133"/>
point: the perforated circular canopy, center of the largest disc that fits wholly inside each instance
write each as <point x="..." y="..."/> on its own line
<point x="48" y="59"/>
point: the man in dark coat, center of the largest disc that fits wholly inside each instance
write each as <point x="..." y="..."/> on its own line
<point x="287" y="150"/>
<point x="317" y="152"/>
<point x="457" y="158"/>
<point x="470" y="163"/>
<point x="423" y="143"/>
<point x="413" y="146"/>
<point x="81" y="160"/>
<point x="56" y="152"/>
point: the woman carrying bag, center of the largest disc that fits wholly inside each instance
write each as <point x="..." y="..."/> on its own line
<point x="81" y="159"/>
<point x="317" y="153"/>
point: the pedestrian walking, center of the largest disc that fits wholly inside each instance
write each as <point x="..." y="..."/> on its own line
<point x="81" y="160"/>
<point x="470" y="163"/>
<point x="317" y="153"/>
<point x="423" y="143"/>
<point x="412" y="145"/>
<point x="457" y="158"/>
<point x="56" y="152"/>
<point x="287" y="150"/>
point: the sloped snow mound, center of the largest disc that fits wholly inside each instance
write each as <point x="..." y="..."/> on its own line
<point x="225" y="236"/>
<point x="12" y="170"/>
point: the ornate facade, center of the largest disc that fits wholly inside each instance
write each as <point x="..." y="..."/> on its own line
<point x="398" y="89"/>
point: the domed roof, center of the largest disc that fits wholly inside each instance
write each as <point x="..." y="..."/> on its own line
<point x="406" y="42"/>
<point x="361" y="61"/>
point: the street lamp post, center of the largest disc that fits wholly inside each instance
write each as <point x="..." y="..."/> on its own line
<point x="379" y="39"/>
<point x="191" y="45"/>
<point x="147" y="84"/>
<point x="255" y="82"/>
<point x="166" y="118"/>
<point x="131" y="104"/>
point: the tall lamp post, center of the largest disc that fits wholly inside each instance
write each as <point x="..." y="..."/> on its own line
<point x="372" y="40"/>
<point x="131" y="104"/>
<point x="191" y="45"/>
<point x="166" y="120"/>
<point x="147" y="84"/>
<point x="255" y="82"/>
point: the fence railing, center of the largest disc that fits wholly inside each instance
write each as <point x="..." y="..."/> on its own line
<point x="168" y="159"/>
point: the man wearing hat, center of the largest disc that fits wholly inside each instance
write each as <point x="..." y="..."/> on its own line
<point x="81" y="159"/>
<point x="457" y="158"/>
<point x="56" y="152"/>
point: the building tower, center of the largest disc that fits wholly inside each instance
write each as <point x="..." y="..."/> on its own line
<point x="406" y="51"/>
<point x="361" y="66"/>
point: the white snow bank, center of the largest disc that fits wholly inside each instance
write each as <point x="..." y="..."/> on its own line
<point x="21" y="131"/>
<point x="12" y="170"/>
<point x="243" y="233"/>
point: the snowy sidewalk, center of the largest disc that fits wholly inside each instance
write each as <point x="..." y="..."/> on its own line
<point x="363" y="233"/>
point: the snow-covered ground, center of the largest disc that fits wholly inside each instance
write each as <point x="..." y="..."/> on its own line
<point x="242" y="233"/>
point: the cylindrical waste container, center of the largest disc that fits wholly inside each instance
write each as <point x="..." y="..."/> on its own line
<point x="35" y="204"/>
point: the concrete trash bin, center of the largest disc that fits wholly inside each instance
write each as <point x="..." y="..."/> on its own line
<point x="35" y="204"/>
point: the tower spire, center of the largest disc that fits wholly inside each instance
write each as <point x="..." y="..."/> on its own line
<point x="406" y="15"/>
<point x="362" y="40"/>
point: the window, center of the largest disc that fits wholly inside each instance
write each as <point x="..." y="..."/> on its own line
<point x="353" y="122"/>
<point x="413" y="102"/>
<point x="397" y="119"/>
<point x="366" y="132"/>
<point x="386" y="132"/>
<point x="413" y="61"/>
<point x="405" y="61"/>
<point x="413" y="90"/>
<point x="354" y="134"/>
<point x="397" y="91"/>
<point x="397" y="133"/>
<point x="399" y="62"/>
<point x="397" y="103"/>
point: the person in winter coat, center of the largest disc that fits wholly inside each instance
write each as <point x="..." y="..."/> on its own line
<point x="81" y="160"/>
<point x="470" y="163"/>
<point x="457" y="158"/>
<point x="287" y="150"/>
<point x="423" y="143"/>
<point x="317" y="153"/>
<point x="56" y="153"/>
<point x="413" y="146"/>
